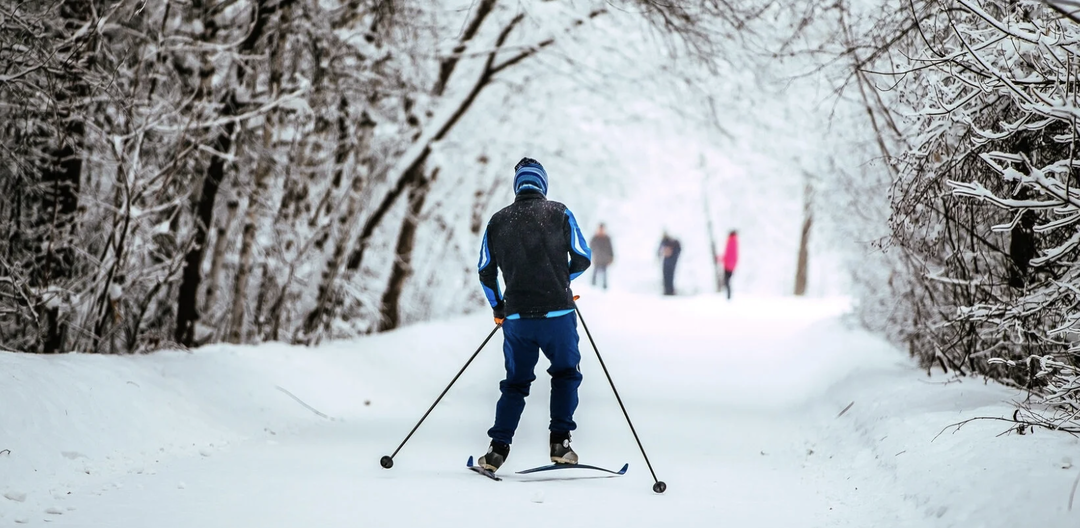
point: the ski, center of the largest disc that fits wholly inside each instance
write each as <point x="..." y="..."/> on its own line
<point x="483" y="471"/>
<point x="573" y="466"/>
<point x="491" y="474"/>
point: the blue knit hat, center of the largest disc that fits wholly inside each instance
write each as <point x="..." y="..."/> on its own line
<point x="529" y="175"/>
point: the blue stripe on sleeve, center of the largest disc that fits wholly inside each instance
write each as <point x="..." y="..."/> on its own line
<point x="485" y="254"/>
<point x="492" y="297"/>
<point x="577" y="239"/>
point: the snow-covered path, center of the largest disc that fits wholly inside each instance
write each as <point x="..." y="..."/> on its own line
<point x="736" y="403"/>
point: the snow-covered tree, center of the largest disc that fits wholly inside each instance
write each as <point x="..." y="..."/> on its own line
<point x="261" y="169"/>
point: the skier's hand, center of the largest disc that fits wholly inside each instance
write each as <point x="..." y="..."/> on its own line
<point x="499" y="313"/>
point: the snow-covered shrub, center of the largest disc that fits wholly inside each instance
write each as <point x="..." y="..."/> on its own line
<point x="986" y="210"/>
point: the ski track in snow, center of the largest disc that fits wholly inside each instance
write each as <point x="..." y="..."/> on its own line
<point x="736" y="403"/>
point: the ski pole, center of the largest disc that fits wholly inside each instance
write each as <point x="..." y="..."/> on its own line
<point x="388" y="461"/>
<point x="658" y="485"/>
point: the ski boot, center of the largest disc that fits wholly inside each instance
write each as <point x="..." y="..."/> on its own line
<point x="496" y="455"/>
<point x="561" y="453"/>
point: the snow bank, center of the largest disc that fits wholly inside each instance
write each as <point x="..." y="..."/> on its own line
<point x="897" y="439"/>
<point x="82" y="421"/>
<point x="79" y="420"/>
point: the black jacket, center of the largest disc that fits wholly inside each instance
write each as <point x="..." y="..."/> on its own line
<point x="670" y="249"/>
<point x="539" y="248"/>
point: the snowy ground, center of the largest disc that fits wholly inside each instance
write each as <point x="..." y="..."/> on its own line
<point x="737" y="404"/>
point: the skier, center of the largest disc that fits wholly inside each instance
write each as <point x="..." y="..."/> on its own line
<point x="730" y="258"/>
<point x="669" y="251"/>
<point x="539" y="247"/>
<point x="603" y="254"/>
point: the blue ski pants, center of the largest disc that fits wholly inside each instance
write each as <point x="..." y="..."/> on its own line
<point x="523" y="339"/>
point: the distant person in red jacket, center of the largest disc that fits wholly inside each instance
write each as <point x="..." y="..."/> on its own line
<point x="730" y="258"/>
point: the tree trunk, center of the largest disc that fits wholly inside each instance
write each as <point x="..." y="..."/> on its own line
<point x="247" y="243"/>
<point x="61" y="177"/>
<point x="62" y="183"/>
<point x="718" y="273"/>
<point x="187" y="313"/>
<point x="221" y="242"/>
<point x="295" y="192"/>
<point x="390" y="310"/>
<point x="804" y="240"/>
<point x="260" y="302"/>
<point x="319" y="316"/>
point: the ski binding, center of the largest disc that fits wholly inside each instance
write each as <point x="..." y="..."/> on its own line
<point x="481" y="470"/>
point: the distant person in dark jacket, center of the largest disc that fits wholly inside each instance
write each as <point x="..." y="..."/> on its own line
<point x="539" y="248"/>
<point x="669" y="252"/>
<point x="730" y="258"/>
<point x="602" y="254"/>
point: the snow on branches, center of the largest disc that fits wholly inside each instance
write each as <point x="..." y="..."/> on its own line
<point x="176" y="174"/>
<point x="987" y="199"/>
